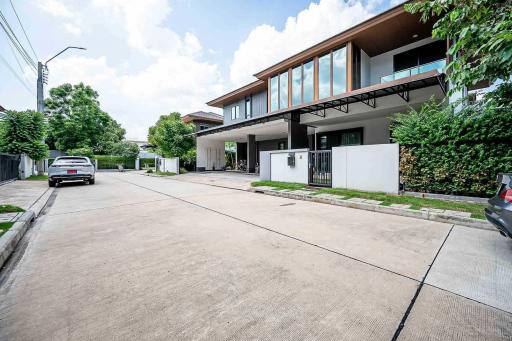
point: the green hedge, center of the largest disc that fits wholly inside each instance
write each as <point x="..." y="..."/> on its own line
<point x="150" y="162"/>
<point x="443" y="151"/>
<point x="112" y="162"/>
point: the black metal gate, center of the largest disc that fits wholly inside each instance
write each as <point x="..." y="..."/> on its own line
<point x="9" y="167"/>
<point x="320" y="166"/>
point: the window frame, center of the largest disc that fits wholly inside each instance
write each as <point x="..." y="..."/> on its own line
<point x="248" y="100"/>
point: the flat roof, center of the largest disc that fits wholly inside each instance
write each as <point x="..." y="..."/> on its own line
<point x="245" y="90"/>
<point x="384" y="32"/>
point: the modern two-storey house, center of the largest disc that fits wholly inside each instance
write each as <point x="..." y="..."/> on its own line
<point x="341" y="91"/>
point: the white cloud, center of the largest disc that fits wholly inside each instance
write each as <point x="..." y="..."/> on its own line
<point x="266" y="45"/>
<point x="163" y="72"/>
<point x="72" y="28"/>
<point x="55" y="8"/>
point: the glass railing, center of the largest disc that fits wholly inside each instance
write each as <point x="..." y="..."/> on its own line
<point x="438" y="65"/>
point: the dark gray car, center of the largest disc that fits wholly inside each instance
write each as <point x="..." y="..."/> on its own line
<point x="499" y="211"/>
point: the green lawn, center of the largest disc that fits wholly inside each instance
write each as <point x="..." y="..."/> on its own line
<point x="10" y="209"/>
<point x="165" y="173"/>
<point x="476" y="210"/>
<point x="37" y="177"/>
<point x="5" y="226"/>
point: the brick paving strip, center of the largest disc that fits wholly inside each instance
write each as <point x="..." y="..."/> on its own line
<point x="434" y="214"/>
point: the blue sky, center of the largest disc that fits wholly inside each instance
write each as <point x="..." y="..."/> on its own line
<point x="148" y="58"/>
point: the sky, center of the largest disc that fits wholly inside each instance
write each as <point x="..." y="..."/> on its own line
<point x="152" y="57"/>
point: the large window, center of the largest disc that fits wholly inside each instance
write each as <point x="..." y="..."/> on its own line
<point x="324" y="76"/>
<point x="331" y="77"/>
<point x="283" y="90"/>
<point x="235" y="112"/>
<point x="274" y="99"/>
<point x="297" y="85"/>
<point x="308" y="82"/>
<point x="339" y="71"/>
<point x="248" y="107"/>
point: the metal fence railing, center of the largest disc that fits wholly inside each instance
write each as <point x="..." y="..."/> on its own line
<point x="9" y="167"/>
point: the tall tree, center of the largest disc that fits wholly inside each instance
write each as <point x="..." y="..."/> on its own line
<point x="482" y="34"/>
<point x="172" y="136"/>
<point x="23" y="132"/>
<point x="76" y="120"/>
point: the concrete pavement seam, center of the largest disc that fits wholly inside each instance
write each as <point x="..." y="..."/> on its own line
<point x="107" y="207"/>
<point x="468" y="298"/>
<point x="418" y="290"/>
<point x="276" y="232"/>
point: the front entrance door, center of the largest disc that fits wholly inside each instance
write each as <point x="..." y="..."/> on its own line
<point x="320" y="166"/>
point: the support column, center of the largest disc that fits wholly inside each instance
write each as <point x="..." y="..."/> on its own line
<point x="297" y="133"/>
<point x="251" y="153"/>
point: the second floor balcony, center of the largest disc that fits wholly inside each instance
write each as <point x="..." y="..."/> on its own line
<point x="438" y="65"/>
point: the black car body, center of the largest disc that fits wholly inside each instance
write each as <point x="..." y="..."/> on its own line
<point x="499" y="211"/>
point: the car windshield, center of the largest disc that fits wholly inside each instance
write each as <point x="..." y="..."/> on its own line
<point x="71" y="160"/>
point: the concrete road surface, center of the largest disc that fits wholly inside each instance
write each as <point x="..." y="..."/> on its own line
<point x="142" y="258"/>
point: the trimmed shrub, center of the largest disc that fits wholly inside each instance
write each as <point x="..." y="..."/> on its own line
<point x="112" y="162"/>
<point x="443" y="151"/>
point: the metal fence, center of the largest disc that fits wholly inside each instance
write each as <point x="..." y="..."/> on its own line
<point x="9" y="167"/>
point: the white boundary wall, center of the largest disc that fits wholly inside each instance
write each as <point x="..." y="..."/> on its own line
<point x="169" y="165"/>
<point x="372" y="168"/>
<point x="274" y="166"/>
<point x="210" y="154"/>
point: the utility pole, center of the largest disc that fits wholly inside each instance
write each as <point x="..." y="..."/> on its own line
<point x="40" y="93"/>
<point x="42" y="70"/>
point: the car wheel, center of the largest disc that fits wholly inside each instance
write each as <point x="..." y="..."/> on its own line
<point x="91" y="182"/>
<point x="51" y="183"/>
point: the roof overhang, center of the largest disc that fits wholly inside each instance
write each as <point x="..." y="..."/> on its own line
<point x="234" y="95"/>
<point x="387" y="31"/>
<point x="367" y="95"/>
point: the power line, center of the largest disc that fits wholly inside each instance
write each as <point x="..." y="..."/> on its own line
<point x="12" y="36"/>
<point x="13" y="44"/>
<point x="23" y="29"/>
<point x="16" y="75"/>
<point x="15" y="41"/>
<point x="15" y="55"/>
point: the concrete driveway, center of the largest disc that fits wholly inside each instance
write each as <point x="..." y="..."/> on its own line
<point x="143" y="258"/>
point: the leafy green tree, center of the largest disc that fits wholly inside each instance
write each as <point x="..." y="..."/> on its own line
<point x="126" y="149"/>
<point x="482" y="35"/>
<point x="23" y="132"/>
<point x="172" y="137"/>
<point x="83" y="151"/>
<point x="76" y="120"/>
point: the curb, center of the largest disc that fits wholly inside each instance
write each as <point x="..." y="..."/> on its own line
<point x="10" y="239"/>
<point x="425" y="215"/>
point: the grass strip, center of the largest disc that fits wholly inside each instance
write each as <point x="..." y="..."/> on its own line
<point x="10" y="209"/>
<point x="37" y="177"/>
<point x="476" y="210"/>
<point x="5" y="226"/>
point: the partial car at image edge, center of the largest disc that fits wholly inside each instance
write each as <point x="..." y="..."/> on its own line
<point x="499" y="211"/>
<point x="71" y="168"/>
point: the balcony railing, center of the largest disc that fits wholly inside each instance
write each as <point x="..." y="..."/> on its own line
<point x="438" y="65"/>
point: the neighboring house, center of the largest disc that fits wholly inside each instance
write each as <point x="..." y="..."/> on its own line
<point x="203" y="120"/>
<point x="339" y="92"/>
<point x="144" y="147"/>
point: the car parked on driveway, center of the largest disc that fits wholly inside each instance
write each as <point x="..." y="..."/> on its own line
<point x="499" y="211"/>
<point x="71" y="168"/>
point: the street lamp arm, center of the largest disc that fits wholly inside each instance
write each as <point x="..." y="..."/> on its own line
<point x="61" y="52"/>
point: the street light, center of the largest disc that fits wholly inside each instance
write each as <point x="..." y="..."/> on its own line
<point x="41" y="76"/>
